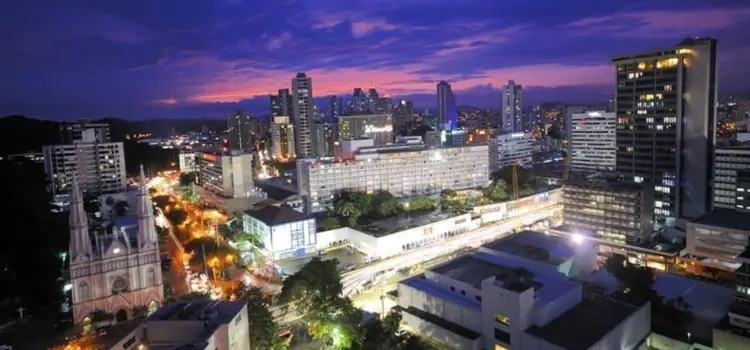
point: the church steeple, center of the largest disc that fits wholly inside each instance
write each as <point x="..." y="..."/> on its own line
<point x="146" y="227"/>
<point x="80" y="242"/>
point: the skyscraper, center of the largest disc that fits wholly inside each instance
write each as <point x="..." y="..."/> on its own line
<point x="512" y="107"/>
<point x="282" y="138"/>
<point x="324" y="137"/>
<point x="403" y="117"/>
<point x="302" y="91"/>
<point x="373" y="100"/>
<point x="281" y="104"/>
<point x="447" y="112"/>
<point x="359" y="103"/>
<point x="334" y="108"/>
<point x="239" y="130"/>
<point x="666" y="115"/>
<point x="386" y="104"/>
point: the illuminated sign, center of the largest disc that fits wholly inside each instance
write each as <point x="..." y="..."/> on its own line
<point x="371" y="129"/>
<point x="518" y="134"/>
<point x="209" y="157"/>
<point x="595" y="114"/>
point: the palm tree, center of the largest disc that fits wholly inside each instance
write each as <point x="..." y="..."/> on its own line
<point x="253" y="243"/>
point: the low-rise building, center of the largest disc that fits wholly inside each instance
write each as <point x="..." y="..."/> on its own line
<point x="499" y="301"/>
<point x="617" y="212"/>
<point x="227" y="174"/>
<point x="511" y="149"/>
<point x="403" y="170"/>
<point x="286" y="233"/>
<point x="720" y="236"/>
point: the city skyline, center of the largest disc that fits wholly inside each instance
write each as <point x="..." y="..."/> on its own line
<point x="208" y="59"/>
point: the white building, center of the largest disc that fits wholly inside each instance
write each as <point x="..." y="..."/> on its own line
<point x="593" y="141"/>
<point x="118" y="271"/>
<point x="495" y="300"/>
<point x="513" y="107"/>
<point x="286" y="233"/>
<point x="187" y="162"/>
<point x="302" y="110"/>
<point x="186" y="324"/>
<point x="403" y="170"/>
<point x="348" y="148"/>
<point x="229" y="175"/>
<point x="727" y="161"/>
<point x="282" y="138"/>
<point x="511" y="148"/>
<point x="99" y="167"/>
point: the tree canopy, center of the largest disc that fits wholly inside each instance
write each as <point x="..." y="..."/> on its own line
<point x="264" y="332"/>
<point x="187" y="179"/>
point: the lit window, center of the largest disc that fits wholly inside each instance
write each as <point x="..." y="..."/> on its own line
<point x="502" y="319"/>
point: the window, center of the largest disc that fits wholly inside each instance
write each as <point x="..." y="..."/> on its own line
<point x="502" y="336"/>
<point x="478" y="298"/>
<point x="119" y="286"/>
<point x="502" y="319"/>
<point x="463" y="292"/>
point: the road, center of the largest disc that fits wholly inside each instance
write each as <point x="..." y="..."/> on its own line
<point x="472" y="239"/>
<point x="370" y="300"/>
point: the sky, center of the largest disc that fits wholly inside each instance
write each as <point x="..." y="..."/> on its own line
<point x="142" y="59"/>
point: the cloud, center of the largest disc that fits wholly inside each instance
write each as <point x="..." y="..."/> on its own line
<point x="278" y="41"/>
<point x="362" y="28"/>
<point x="670" y="23"/>
<point x="478" y="41"/>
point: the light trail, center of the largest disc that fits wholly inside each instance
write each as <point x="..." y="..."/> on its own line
<point x="472" y="239"/>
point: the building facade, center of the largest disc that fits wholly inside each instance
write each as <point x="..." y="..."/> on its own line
<point x="335" y="108"/>
<point x="302" y="109"/>
<point x="325" y="137"/>
<point x="118" y="271"/>
<point x="403" y="117"/>
<point x="728" y="163"/>
<point x="226" y="174"/>
<point x="378" y="127"/>
<point x="619" y="213"/>
<point x="511" y="149"/>
<point x="285" y="232"/>
<point x="282" y="138"/>
<point x="71" y="132"/>
<point x="98" y="166"/>
<point x="666" y="109"/>
<point x="187" y="162"/>
<point x="447" y="115"/>
<point x="593" y="142"/>
<point x="720" y="235"/>
<point x="239" y="132"/>
<point x="512" y="107"/>
<point x="403" y="170"/>
<point x="281" y="104"/>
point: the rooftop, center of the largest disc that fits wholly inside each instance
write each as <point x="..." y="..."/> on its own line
<point x="605" y="184"/>
<point x="473" y="271"/>
<point x="535" y="246"/>
<point x="115" y="334"/>
<point x="727" y="218"/>
<point x="274" y="216"/>
<point x="708" y="301"/>
<point x="219" y="312"/>
<point x="597" y="316"/>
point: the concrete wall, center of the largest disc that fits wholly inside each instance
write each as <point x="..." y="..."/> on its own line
<point x="628" y="334"/>
<point x="453" y="312"/>
<point x="726" y="340"/>
<point x="417" y="325"/>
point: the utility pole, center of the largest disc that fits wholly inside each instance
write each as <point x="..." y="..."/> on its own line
<point x="20" y="311"/>
<point x="382" y="305"/>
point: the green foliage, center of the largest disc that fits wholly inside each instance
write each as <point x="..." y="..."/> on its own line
<point x="456" y="206"/>
<point x="447" y="194"/>
<point x="525" y="177"/>
<point x="497" y="191"/>
<point x="356" y="205"/>
<point x="385" y="334"/>
<point x="385" y="204"/>
<point x="187" y="179"/>
<point x="264" y="332"/>
<point x="211" y="247"/>
<point x="330" y="223"/>
<point x="350" y="211"/>
<point x="140" y="311"/>
<point x="189" y="194"/>
<point x="420" y="203"/>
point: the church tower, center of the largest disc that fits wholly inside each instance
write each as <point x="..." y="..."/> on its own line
<point x="116" y="271"/>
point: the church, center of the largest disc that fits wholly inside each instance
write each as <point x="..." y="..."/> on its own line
<point x="117" y="271"/>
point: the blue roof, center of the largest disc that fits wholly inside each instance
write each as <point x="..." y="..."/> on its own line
<point x="522" y="244"/>
<point x="708" y="301"/>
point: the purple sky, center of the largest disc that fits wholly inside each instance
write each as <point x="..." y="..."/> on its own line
<point x="139" y="59"/>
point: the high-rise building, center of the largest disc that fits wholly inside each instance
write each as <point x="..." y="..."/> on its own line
<point x="403" y="117"/>
<point x="359" y="103"/>
<point x="385" y="105"/>
<point x="512" y="107"/>
<point x="281" y="104"/>
<point x="226" y="174"/>
<point x="71" y="132"/>
<point x="378" y="127"/>
<point x="187" y="162"/>
<point x="98" y="166"/>
<point x="403" y="170"/>
<point x="592" y="141"/>
<point x="118" y="271"/>
<point x="282" y="139"/>
<point x="666" y="118"/>
<point x="324" y="136"/>
<point x="373" y="100"/>
<point x="335" y="108"/>
<point x="302" y="91"/>
<point x="511" y="149"/>
<point x="239" y="131"/>
<point x="447" y="112"/>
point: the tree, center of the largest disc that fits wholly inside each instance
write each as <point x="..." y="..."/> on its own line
<point x="162" y="201"/>
<point x="329" y="223"/>
<point x="189" y="194"/>
<point x="350" y="211"/>
<point x="315" y="292"/>
<point x="264" y="332"/>
<point x="447" y="194"/>
<point x="140" y="311"/>
<point x="217" y="254"/>
<point x="496" y="192"/>
<point x="420" y="203"/>
<point x="524" y="177"/>
<point x="177" y="216"/>
<point x="385" y="203"/>
<point x="526" y="191"/>
<point x="364" y="202"/>
<point x="187" y="179"/>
